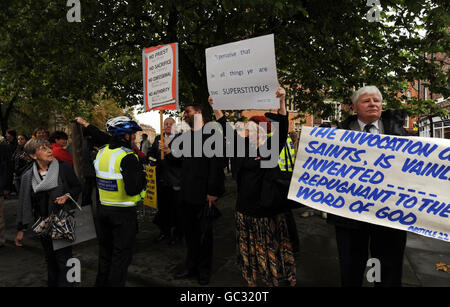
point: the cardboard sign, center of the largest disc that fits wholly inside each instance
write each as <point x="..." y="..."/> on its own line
<point x="243" y="75"/>
<point x="393" y="181"/>
<point x="160" y="75"/>
<point x="150" y="199"/>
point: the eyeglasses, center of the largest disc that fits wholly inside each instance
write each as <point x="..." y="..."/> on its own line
<point x="44" y="148"/>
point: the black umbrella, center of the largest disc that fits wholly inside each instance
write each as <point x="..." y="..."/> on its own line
<point x="206" y="217"/>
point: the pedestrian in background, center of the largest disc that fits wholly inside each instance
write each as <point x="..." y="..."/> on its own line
<point x="5" y="177"/>
<point x="21" y="160"/>
<point x="59" y="139"/>
<point x="40" y="133"/>
<point x="145" y="144"/>
<point x="168" y="176"/>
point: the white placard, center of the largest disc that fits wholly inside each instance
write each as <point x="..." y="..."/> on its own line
<point x="243" y="75"/>
<point x="160" y="74"/>
<point x="397" y="182"/>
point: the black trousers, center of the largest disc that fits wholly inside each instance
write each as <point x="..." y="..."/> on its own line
<point x="86" y="193"/>
<point x="56" y="263"/>
<point x="199" y="240"/>
<point x="169" y="211"/>
<point x="117" y="229"/>
<point x="386" y="244"/>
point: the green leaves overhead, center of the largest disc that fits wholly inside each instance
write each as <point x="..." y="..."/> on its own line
<point x="324" y="48"/>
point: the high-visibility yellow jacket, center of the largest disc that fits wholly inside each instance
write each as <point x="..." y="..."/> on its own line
<point x="283" y="160"/>
<point x="110" y="180"/>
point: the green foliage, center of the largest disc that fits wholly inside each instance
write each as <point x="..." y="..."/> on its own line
<point x="328" y="47"/>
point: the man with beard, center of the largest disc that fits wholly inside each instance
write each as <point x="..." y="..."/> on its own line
<point x="201" y="185"/>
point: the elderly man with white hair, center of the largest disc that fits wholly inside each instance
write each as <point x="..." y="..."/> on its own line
<point x="355" y="238"/>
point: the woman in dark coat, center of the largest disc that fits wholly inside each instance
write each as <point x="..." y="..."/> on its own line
<point x="21" y="160"/>
<point x="262" y="238"/>
<point x="46" y="186"/>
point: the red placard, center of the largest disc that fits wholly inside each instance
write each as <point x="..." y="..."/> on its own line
<point x="160" y="74"/>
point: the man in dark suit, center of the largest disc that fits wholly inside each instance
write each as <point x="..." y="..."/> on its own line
<point x="168" y="178"/>
<point x="201" y="185"/>
<point x="355" y="238"/>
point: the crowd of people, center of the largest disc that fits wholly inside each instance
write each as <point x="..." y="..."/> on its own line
<point x="40" y="170"/>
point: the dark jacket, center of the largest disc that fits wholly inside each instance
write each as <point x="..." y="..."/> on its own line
<point x="393" y="122"/>
<point x="168" y="174"/>
<point x="257" y="190"/>
<point x="19" y="162"/>
<point x="200" y="176"/>
<point x="6" y="167"/>
<point x="34" y="205"/>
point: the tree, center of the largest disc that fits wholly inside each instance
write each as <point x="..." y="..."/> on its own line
<point x="46" y="63"/>
<point x="327" y="47"/>
<point x="324" y="48"/>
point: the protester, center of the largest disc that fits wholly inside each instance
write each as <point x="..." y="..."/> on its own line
<point x="21" y="160"/>
<point x="263" y="243"/>
<point x="120" y="180"/>
<point x="145" y="144"/>
<point x="5" y="178"/>
<point x="58" y="139"/>
<point x="355" y="238"/>
<point x="202" y="182"/>
<point x="168" y="185"/>
<point x="43" y="190"/>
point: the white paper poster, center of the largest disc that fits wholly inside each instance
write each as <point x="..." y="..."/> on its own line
<point x="160" y="74"/>
<point x="243" y="75"/>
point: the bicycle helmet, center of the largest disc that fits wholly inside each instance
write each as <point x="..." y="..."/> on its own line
<point x="122" y="125"/>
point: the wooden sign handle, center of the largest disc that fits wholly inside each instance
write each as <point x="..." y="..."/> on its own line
<point x="162" y="131"/>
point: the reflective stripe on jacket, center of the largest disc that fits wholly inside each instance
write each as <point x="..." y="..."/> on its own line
<point x="110" y="180"/>
<point x="283" y="161"/>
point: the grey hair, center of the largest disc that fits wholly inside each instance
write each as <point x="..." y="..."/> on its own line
<point x="368" y="89"/>
<point x="33" y="144"/>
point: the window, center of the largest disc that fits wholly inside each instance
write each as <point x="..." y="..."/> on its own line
<point x="290" y="105"/>
<point x="406" y="123"/>
<point x="337" y="112"/>
<point x="447" y="133"/>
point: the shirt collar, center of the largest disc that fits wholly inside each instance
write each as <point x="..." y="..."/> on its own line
<point x="362" y="125"/>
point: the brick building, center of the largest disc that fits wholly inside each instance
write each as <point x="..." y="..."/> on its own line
<point x="147" y="129"/>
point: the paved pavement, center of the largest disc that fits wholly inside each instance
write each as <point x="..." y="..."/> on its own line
<point x="155" y="263"/>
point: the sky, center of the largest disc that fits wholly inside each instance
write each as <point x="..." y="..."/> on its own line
<point x="150" y="118"/>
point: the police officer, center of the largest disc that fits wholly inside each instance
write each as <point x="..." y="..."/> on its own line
<point x="120" y="181"/>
